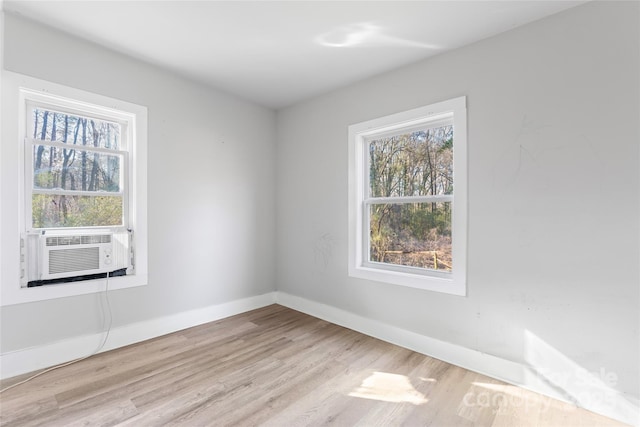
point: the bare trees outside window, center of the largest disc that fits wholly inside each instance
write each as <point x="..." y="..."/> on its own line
<point x="402" y="167"/>
<point x="77" y="170"/>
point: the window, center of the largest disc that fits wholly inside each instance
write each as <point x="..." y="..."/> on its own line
<point x="76" y="173"/>
<point x="407" y="209"/>
<point x="81" y="191"/>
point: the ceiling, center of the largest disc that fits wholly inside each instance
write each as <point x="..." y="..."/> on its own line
<point x="276" y="53"/>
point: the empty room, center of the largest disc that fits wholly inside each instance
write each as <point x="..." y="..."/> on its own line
<point x="296" y="213"/>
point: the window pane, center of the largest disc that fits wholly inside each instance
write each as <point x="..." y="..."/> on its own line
<point x="412" y="164"/>
<point x="71" y="129"/>
<point x="75" y="211"/>
<point x="412" y="234"/>
<point x="71" y="169"/>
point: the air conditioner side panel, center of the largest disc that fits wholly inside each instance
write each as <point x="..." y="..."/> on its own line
<point x="121" y="251"/>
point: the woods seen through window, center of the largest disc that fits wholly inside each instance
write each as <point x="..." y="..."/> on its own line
<point x="412" y="166"/>
<point x="78" y="170"/>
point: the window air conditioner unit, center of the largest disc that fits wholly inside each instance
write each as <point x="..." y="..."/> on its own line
<point x="67" y="255"/>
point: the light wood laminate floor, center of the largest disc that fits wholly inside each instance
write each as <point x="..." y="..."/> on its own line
<point x="278" y="367"/>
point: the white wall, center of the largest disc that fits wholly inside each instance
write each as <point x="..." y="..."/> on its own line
<point x="553" y="247"/>
<point x="210" y="191"/>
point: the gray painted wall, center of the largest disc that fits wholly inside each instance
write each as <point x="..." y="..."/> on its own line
<point x="553" y="214"/>
<point x="211" y="190"/>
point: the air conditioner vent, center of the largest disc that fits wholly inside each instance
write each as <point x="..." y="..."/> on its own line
<point x="78" y="240"/>
<point x="76" y="260"/>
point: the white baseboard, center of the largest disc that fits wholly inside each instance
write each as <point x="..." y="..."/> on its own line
<point x="35" y="358"/>
<point x="578" y="386"/>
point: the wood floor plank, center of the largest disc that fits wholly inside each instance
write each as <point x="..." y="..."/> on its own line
<point x="17" y="411"/>
<point x="273" y="399"/>
<point x="275" y="367"/>
<point x="96" y="368"/>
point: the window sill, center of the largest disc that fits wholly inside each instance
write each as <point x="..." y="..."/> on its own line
<point x="19" y="295"/>
<point x="453" y="285"/>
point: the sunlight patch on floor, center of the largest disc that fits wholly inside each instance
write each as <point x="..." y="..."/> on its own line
<point x="388" y="387"/>
<point x="499" y="388"/>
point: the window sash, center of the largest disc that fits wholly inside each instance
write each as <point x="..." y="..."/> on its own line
<point x="408" y="199"/>
<point x="81" y="220"/>
<point x="419" y="271"/>
<point x="67" y="146"/>
<point x="30" y="145"/>
<point x="366" y="234"/>
<point x="440" y="121"/>
<point x="78" y="109"/>
<point x="79" y="193"/>
<point x="424" y="123"/>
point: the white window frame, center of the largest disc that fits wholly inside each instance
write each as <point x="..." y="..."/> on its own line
<point x="36" y="99"/>
<point x="20" y="92"/>
<point x="450" y="111"/>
